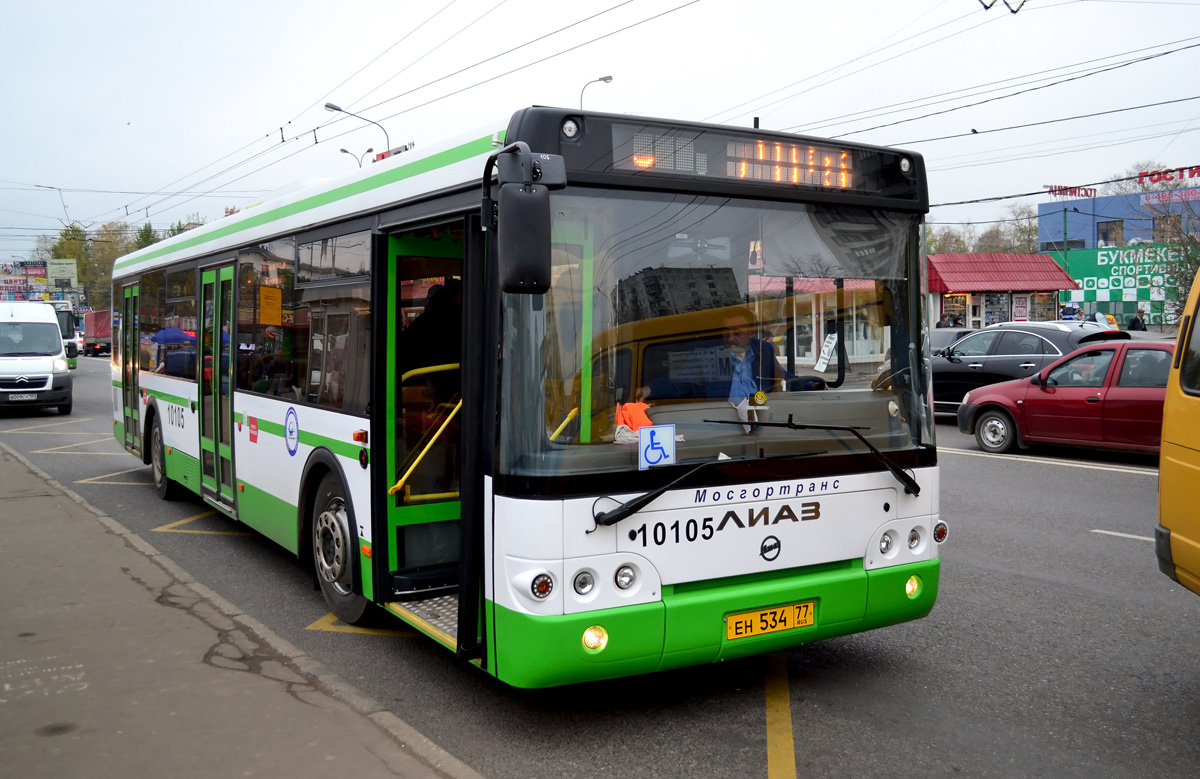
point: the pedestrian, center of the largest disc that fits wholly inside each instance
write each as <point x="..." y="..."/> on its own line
<point x="944" y="321"/>
<point x="1137" y="321"/>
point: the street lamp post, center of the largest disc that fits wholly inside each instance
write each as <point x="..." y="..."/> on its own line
<point x="605" y="79"/>
<point x="358" y="157"/>
<point x="338" y="109"/>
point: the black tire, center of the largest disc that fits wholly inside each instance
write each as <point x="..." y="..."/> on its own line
<point x="995" y="431"/>
<point x="167" y="489"/>
<point x="64" y="408"/>
<point x="334" y="551"/>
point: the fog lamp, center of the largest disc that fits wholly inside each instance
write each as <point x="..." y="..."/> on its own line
<point x="542" y="586"/>
<point x="625" y="577"/>
<point x="912" y="587"/>
<point x="595" y="638"/>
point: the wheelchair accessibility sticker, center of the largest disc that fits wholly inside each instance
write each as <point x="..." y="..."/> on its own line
<point x="656" y="446"/>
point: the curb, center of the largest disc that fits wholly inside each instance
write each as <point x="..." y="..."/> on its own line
<point x="335" y="686"/>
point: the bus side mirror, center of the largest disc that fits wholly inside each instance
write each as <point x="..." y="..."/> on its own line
<point x="523" y="238"/>
<point x="520" y="214"/>
<point x="72" y="349"/>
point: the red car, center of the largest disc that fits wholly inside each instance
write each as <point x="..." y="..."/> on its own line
<point x="1105" y="395"/>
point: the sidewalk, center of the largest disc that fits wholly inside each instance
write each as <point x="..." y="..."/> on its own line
<point x="114" y="663"/>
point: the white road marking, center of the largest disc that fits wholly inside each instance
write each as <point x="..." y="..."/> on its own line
<point x="1124" y="535"/>
<point x="1048" y="461"/>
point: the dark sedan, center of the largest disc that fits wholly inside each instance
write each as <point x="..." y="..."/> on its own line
<point x="1012" y="350"/>
<point x="1105" y="395"/>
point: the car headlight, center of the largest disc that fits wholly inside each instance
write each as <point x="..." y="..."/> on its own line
<point x="60" y="365"/>
<point x="966" y="398"/>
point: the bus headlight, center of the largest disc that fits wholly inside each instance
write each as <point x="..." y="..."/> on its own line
<point x="584" y="582"/>
<point x="912" y="587"/>
<point x="885" y="543"/>
<point x="625" y="577"/>
<point x="914" y="539"/>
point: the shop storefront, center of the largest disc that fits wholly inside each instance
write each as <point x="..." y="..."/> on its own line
<point x="977" y="290"/>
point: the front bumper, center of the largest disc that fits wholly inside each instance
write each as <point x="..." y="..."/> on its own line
<point x="58" y="394"/>
<point x="966" y="417"/>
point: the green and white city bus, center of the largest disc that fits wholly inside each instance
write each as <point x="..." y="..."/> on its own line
<point x="588" y="396"/>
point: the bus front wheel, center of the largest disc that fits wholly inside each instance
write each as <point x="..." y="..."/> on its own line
<point x="334" y="546"/>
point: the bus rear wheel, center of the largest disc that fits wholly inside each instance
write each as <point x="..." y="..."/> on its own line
<point x="334" y="546"/>
<point x="167" y="489"/>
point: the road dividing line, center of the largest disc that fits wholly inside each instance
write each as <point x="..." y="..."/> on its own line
<point x="39" y="428"/>
<point x="1124" y="535"/>
<point x="1048" y="461"/>
<point x="329" y="623"/>
<point x="781" y="748"/>
<point x="173" y="527"/>
<point x="96" y="479"/>
<point x="58" y="449"/>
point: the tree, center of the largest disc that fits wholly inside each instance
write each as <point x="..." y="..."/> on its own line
<point x="946" y="239"/>
<point x="110" y="241"/>
<point x="193" y="220"/>
<point x="145" y="236"/>
<point x="73" y="244"/>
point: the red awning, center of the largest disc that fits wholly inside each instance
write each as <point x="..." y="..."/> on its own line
<point x="997" y="273"/>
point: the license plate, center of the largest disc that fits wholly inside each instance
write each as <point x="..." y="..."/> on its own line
<point x="758" y="623"/>
<point x="23" y="396"/>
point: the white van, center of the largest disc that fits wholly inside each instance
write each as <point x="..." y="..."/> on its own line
<point x="33" y="360"/>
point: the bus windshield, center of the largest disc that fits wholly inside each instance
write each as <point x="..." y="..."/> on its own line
<point x="727" y="318"/>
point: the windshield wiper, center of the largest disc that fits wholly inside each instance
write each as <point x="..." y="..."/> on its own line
<point x="910" y="484"/>
<point x="622" y="511"/>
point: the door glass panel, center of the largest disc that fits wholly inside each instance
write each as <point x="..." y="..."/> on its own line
<point x="226" y="372"/>
<point x="206" y="375"/>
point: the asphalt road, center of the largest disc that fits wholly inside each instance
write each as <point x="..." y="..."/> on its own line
<point x="1056" y="648"/>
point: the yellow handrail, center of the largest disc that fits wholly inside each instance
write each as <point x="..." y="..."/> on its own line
<point x="400" y="484"/>
<point x="570" y="415"/>
<point x="409" y="497"/>
<point x="450" y="366"/>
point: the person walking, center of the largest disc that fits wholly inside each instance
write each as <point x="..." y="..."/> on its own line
<point x="1137" y="322"/>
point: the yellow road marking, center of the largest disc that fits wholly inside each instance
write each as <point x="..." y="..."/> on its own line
<point x="48" y="424"/>
<point x="96" y="479"/>
<point x="327" y="623"/>
<point x="781" y="747"/>
<point x="171" y="527"/>
<point x="58" y="449"/>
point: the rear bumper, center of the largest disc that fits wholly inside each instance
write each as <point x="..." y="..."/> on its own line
<point x="689" y="627"/>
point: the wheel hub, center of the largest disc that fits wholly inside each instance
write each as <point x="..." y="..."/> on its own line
<point x="332" y="547"/>
<point x="995" y="431"/>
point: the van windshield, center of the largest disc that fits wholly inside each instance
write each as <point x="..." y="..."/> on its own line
<point x="21" y="339"/>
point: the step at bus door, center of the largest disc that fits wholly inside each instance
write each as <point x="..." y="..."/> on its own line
<point x="216" y="385"/>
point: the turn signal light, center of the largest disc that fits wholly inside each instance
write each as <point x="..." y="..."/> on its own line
<point x="939" y="532"/>
<point x="542" y="586"/>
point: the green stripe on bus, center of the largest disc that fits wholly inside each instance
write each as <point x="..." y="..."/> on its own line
<point x="169" y="398"/>
<point x="341" y="448"/>
<point x="431" y="163"/>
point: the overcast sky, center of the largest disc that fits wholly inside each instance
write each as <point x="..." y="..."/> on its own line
<point x="140" y="110"/>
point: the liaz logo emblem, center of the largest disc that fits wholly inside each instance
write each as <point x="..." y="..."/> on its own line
<point x="291" y="432"/>
<point x="769" y="549"/>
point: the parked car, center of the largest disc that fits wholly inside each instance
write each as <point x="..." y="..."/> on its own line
<point x="1010" y="350"/>
<point x="941" y="337"/>
<point x="1105" y="395"/>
